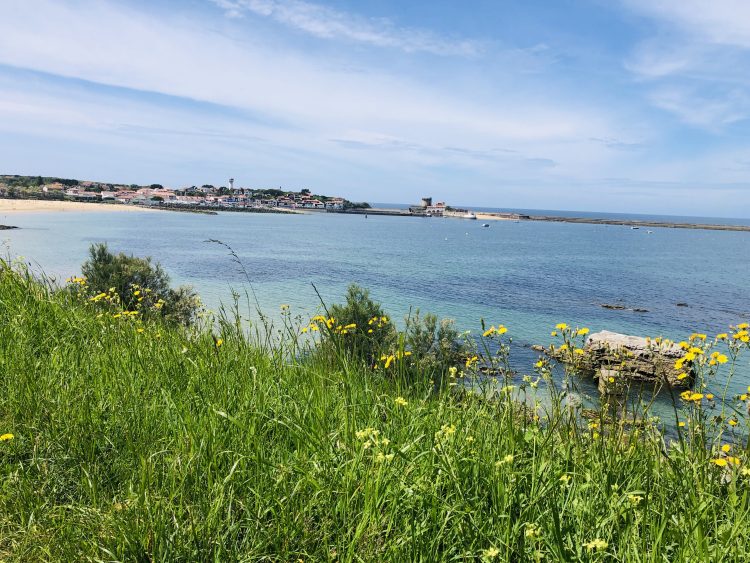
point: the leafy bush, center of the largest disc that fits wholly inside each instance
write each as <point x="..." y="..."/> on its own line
<point x="359" y="327"/>
<point x="139" y="284"/>
<point x="435" y="345"/>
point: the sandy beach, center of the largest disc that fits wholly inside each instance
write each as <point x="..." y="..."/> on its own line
<point x="15" y="206"/>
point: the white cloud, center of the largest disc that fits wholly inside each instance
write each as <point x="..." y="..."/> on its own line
<point x="725" y="22"/>
<point x="112" y="45"/>
<point x="326" y="23"/>
<point x="698" y="61"/>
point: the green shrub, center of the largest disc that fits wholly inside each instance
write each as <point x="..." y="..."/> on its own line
<point x="139" y="284"/>
<point x="359" y="328"/>
<point x="436" y="345"/>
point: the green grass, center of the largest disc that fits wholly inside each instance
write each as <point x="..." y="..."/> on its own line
<point x="159" y="445"/>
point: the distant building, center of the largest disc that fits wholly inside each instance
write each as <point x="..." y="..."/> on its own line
<point x="426" y="209"/>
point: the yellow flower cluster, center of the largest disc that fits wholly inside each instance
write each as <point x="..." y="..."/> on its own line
<point x="390" y="358"/>
<point x="691" y="397"/>
<point x="725" y="461"/>
<point x="499" y="330"/>
<point x="6" y="437"/>
<point x="718" y="358"/>
<point x="371" y="439"/>
<point x="596" y="545"/>
<point x="471" y="361"/>
<point x="445" y="433"/>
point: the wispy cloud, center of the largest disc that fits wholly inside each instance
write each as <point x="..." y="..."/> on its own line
<point x="327" y="23"/>
<point x="698" y="61"/>
<point x="724" y="22"/>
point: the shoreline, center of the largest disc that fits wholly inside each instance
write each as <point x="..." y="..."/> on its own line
<point x="9" y="207"/>
<point x="21" y="206"/>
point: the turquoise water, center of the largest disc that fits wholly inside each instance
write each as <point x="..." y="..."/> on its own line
<point x="528" y="275"/>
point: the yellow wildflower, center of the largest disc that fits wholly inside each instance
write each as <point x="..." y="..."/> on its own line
<point x="6" y="437"/>
<point x="532" y="531"/>
<point x="635" y="500"/>
<point x="596" y="545"/>
<point x="720" y="461"/>
<point x="501" y="329"/>
<point x="400" y="401"/>
<point x="389" y="361"/>
<point x="583" y="331"/>
<point x="491" y="553"/>
<point x="553" y="333"/>
<point x="561" y="326"/>
<point x="219" y="342"/>
<point x="725" y="448"/>
<point x="732" y="422"/>
<point x="489" y="331"/>
<point x="722" y="336"/>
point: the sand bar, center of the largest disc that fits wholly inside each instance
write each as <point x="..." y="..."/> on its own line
<point x="16" y="206"/>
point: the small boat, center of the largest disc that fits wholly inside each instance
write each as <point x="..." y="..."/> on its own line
<point x="485" y="224"/>
<point x="468" y="215"/>
<point x="649" y="232"/>
<point x="635" y="228"/>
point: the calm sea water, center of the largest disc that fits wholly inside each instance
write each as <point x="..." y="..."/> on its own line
<point x="528" y="276"/>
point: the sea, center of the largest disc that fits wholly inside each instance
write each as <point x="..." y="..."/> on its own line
<point x="528" y="276"/>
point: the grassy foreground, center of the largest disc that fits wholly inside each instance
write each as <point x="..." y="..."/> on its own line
<point x="142" y="442"/>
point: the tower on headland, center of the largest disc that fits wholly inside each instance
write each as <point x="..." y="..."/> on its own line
<point x="426" y="201"/>
<point x="231" y="183"/>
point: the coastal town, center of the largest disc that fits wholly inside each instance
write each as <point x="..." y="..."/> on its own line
<point x="206" y="196"/>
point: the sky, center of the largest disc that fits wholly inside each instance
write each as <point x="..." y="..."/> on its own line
<point x="634" y="106"/>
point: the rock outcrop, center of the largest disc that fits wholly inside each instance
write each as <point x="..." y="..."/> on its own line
<point x="635" y="358"/>
<point x="619" y="360"/>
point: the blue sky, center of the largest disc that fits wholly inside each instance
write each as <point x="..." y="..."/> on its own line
<point x="618" y="105"/>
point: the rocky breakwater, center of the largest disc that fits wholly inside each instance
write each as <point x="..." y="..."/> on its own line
<point x="7" y="227"/>
<point x="620" y="360"/>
